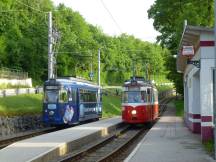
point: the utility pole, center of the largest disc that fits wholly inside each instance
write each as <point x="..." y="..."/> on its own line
<point x="133" y="68"/>
<point x="146" y="72"/>
<point x="50" y="44"/>
<point x="214" y="83"/>
<point x="99" y="67"/>
<point x="91" y="68"/>
<point x="99" y="89"/>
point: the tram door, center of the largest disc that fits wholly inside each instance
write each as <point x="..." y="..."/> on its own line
<point x="73" y="105"/>
<point x="152" y="105"/>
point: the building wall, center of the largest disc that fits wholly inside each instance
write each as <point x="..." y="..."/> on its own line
<point x="23" y="82"/>
<point x="186" y="117"/>
<point x="196" y="122"/>
<point x="198" y="82"/>
<point x="199" y="90"/>
<point x="206" y="91"/>
<point x="192" y="91"/>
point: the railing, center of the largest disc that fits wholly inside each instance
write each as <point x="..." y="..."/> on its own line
<point x="167" y="93"/>
<point x="12" y="74"/>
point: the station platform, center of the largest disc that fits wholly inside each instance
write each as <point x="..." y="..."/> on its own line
<point x="169" y="141"/>
<point x="49" y="146"/>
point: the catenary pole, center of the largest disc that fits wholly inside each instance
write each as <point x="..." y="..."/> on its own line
<point x="50" y="52"/>
<point x="91" y="68"/>
<point x="147" y="75"/>
<point x="99" y="90"/>
<point x="99" y="67"/>
<point x="214" y="82"/>
<point x="133" y="68"/>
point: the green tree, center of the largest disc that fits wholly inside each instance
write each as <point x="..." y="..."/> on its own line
<point x="23" y="44"/>
<point x="169" y="16"/>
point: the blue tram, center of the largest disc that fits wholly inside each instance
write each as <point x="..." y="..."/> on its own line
<point x="70" y="101"/>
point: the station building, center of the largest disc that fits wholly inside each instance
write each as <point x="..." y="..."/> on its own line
<point x="198" y="79"/>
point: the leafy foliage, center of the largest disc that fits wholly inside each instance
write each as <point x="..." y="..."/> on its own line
<point x="169" y="16"/>
<point x="23" y="45"/>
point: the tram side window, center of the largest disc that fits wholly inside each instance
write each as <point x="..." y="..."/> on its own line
<point x="153" y="96"/>
<point x="63" y="97"/>
<point x="92" y="97"/>
<point x="100" y="97"/>
<point x="125" y="97"/>
<point x="88" y="96"/>
<point x="143" y="96"/>
<point x="148" y="95"/>
<point x="81" y="97"/>
<point x="74" y="95"/>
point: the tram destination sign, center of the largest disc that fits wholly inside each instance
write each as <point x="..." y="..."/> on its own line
<point x="187" y="50"/>
<point x="52" y="87"/>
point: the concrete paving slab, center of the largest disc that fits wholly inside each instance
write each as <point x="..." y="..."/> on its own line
<point x="49" y="146"/>
<point x="170" y="141"/>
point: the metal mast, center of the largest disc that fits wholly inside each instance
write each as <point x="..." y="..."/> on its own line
<point x="99" y="67"/>
<point x="50" y="45"/>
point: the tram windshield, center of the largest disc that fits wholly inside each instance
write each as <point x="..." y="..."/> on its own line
<point x="51" y="96"/>
<point x="135" y="97"/>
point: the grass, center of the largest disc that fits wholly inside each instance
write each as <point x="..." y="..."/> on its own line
<point x="209" y="146"/>
<point x="179" y="104"/>
<point x="111" y="106"/>
<point x="21" y="105"/>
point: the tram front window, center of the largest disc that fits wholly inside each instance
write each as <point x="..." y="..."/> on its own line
<point x="132" y="97"/>
<point x="51" y="96"/>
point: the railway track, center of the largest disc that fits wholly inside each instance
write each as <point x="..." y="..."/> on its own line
<point x="108" y="148"/>
<point x="7" y="141"/>
<point x="116" y="147"/>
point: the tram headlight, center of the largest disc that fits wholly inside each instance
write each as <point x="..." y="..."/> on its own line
<point x="51" y="113"/>
<point x="133" y="112"/>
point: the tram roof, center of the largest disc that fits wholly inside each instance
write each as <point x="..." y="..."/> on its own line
<point x="72" y="81"/>
<point x="138" y="83"/>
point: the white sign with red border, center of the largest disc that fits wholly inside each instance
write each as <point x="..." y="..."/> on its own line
<point x="187" y="50"/>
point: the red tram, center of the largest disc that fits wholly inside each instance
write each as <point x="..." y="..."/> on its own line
<point x="139" y="101"/>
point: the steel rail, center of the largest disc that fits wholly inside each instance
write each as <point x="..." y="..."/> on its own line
<point x="91" y="148"/>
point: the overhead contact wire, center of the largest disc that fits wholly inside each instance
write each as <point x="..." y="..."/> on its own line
<point x="112" y="17"/>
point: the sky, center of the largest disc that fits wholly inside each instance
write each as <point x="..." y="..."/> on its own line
<point x="130" y="16"/>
